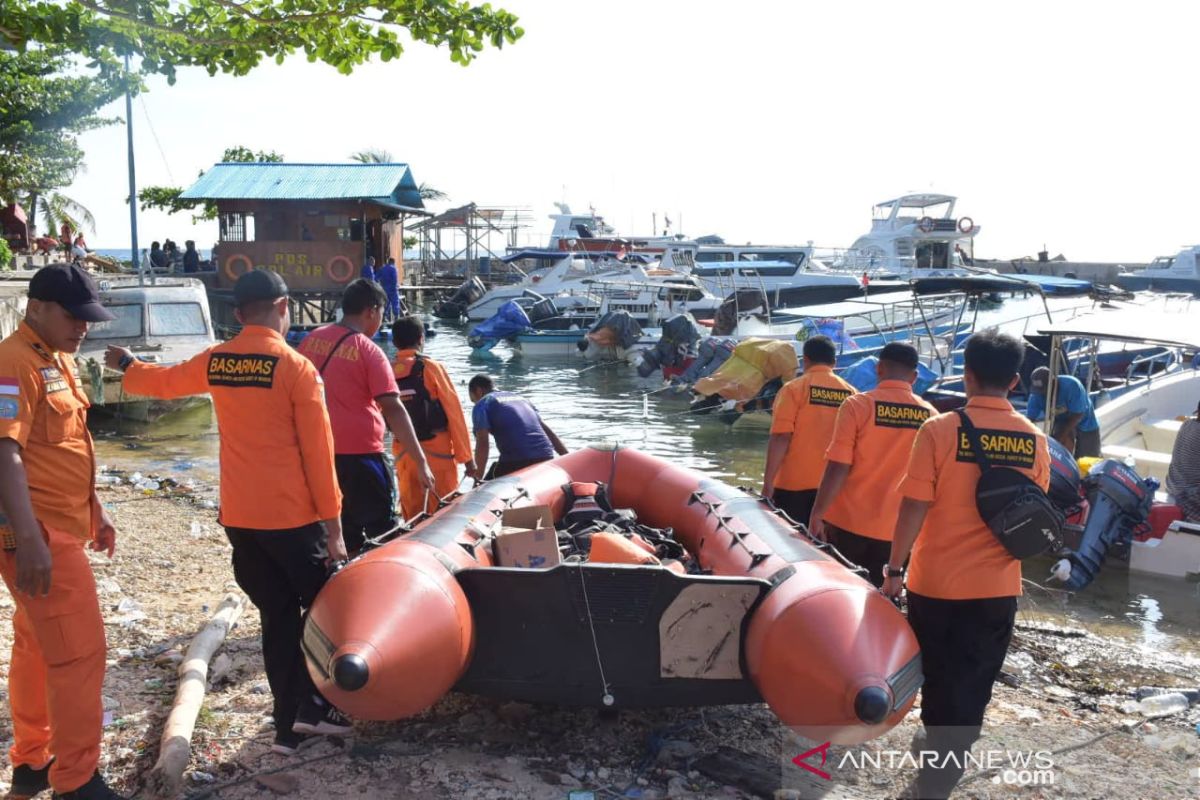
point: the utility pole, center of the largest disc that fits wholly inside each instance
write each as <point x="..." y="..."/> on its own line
<point x="133" y="200"/>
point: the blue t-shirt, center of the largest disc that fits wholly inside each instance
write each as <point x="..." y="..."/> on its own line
<point x="1072" y="398"/>
<point x="515" y="424"/>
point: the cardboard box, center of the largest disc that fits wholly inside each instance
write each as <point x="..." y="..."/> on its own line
<point x="527" y="538"/>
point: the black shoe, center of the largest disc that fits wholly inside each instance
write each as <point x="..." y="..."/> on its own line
<point x="287" y="743"/>
<point x="95" y="789"/>
<point x="27" y="781"/>
<point x="318" y="718"/>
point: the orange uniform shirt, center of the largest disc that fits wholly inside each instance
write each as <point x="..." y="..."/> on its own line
<point x="956" y="555"/>
<point x="807" y="407"/>
<point x="440" y="388"/>
<point x="276" y="444"/>
<point x="44" y="410"/>
<point x="874" y="434"/>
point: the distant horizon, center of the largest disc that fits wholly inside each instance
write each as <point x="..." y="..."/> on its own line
<point x="1060" y="129"/>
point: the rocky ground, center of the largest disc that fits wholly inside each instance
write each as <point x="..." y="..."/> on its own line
<point x="1065" y="691"/>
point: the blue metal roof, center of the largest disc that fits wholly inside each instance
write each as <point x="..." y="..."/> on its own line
<point x="389" y="183"/>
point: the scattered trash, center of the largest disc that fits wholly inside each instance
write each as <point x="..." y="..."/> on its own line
<point x="128" y="605"/>
<point x="203" y="777"/>
<point x="107" y="480"/>
<point x="153" y="683"/>
<point x="108" y="718"/>
<point x="1192" y="695"/>
<point x="1163" y="705"/>
<point x="197" y="530"/>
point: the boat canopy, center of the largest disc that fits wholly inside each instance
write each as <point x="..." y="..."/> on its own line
<point x="1139" y="325"/>
<point x="558" y="255"/>
<point x="918" y="200"/>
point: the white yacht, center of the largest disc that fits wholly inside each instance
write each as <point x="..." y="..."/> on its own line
<point x="1177" y="273"/>
<point x="786" y="276"/>
<point x="914" y="236"/>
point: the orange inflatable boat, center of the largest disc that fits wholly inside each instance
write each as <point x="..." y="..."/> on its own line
<point x="772" y="618"/>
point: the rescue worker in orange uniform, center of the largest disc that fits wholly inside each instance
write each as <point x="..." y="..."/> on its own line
<point x="801" y="426"/>
<point x="280" y="503"/>
<point x="50" y="514"/>
<point x="962" y="583"/>
<point x="857" y="503"/>
<point x="437" y="417"/>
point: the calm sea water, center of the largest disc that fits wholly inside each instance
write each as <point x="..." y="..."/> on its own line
<point x="587" y="403"/>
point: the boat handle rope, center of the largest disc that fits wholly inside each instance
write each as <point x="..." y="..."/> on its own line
<point x="737" y="537"/>
<point x="606" y="698"/>
<point x="814" y="541"/>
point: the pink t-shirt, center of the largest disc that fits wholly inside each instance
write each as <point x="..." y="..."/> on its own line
<point x="356" y="374"/>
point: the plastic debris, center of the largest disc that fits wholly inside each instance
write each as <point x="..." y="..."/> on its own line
<point x="1163" y="705"/>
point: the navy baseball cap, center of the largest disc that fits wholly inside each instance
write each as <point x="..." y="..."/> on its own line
<point x="258" y="284"/>
<point x="71" y="287"/>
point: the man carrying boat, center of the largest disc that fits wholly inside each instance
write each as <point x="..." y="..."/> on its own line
<point x="361" y="395"/>
<point x="280" y="503"/>
<point x="801" y="427"/>
<point x="522" y="436"/>
<point x="857" y="503"/>
<point x="962" y="582"/>
<point x="50" y="514"/>
<point x="437" y="417"/>
<point x="1075" y="424"/>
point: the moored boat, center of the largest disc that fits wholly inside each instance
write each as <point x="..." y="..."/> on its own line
<point x="767" y="615"/>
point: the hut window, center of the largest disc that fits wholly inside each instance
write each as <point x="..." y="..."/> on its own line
<point x="237" y="227"/>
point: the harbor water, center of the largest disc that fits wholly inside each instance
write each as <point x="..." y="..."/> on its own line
<point x="587" y="403"/>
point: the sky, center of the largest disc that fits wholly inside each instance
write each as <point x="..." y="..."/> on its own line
<point x="1067" y="125"/>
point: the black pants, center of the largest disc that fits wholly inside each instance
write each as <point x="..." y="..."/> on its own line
<point x="368" y="485"/>
<point x="963" y="644"/>
<point x="870" y="554"/>
<point x="1087" y="443"/>
<point x="797" y="503"/>
<point x="506" y="467"/>
<point x="281" y="572"/>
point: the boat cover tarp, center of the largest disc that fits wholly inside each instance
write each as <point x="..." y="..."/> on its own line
<point x="835" y="329"/>
<point x="754" y="362"/>
<point x="862" y="376"/>
<point x="615" y="329"/>
<point x="711" y="354"/>
<point x="509" y="320"/>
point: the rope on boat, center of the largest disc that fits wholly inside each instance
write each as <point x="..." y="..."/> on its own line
<point x="606" y="698"/>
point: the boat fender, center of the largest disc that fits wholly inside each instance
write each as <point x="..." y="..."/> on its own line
<point x="586" y="502"/>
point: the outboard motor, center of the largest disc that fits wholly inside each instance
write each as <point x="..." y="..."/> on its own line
<point x="616" y="329"/>
<point x="1119" y="501"/>
<point x="712" y="353"/>
<point x="678" y="342"/>
<point x="463" y="297"/>
<point x="540" y="309"/>
<point x="1065" y="480"/>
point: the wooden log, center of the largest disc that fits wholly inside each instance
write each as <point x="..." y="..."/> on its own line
<point x="166" y="777"/>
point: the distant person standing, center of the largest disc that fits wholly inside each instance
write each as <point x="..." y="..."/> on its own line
<point x="363" y="402"/>
<point x="1075" y="425"/>
<point x="158" y="258"/>
<point x="962" y="582"/>
<point x="388" y="277"/>
<point x="437" y="417"/>
<point x="522" y="436"/>
<point x="802" y="426"/>
<point x="191" y="259"/>
<point x="280" y="503"/>
<point x="857" y="502"/>
<point x="368" y="269"/>
<point x="51" y="517"/>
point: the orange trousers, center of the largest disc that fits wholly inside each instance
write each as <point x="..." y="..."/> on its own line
<point x="441" y="464"/>
<point x="57" y="667"/>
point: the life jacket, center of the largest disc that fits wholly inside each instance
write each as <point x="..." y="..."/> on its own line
<point x="427" y="415"/>
<point x="586" y="502"/>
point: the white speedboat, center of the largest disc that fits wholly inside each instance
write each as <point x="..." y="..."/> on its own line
<point x="164" y="323"/>
<point x="564" y="281"/>
<point x="1177" y="273"/>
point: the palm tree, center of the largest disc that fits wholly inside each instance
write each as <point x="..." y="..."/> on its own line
<point x="372" y="155"/>
<point x="57" y="208"/>
<point x="377" y="155"/>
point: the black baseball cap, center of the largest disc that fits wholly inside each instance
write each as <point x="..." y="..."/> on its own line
<point x="71" y="287"/>
<point x="259" y="284"/>
<point x="1038" y="380"/>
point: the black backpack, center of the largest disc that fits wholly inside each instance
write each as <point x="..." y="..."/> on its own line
<point x="1015" y="508"/>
